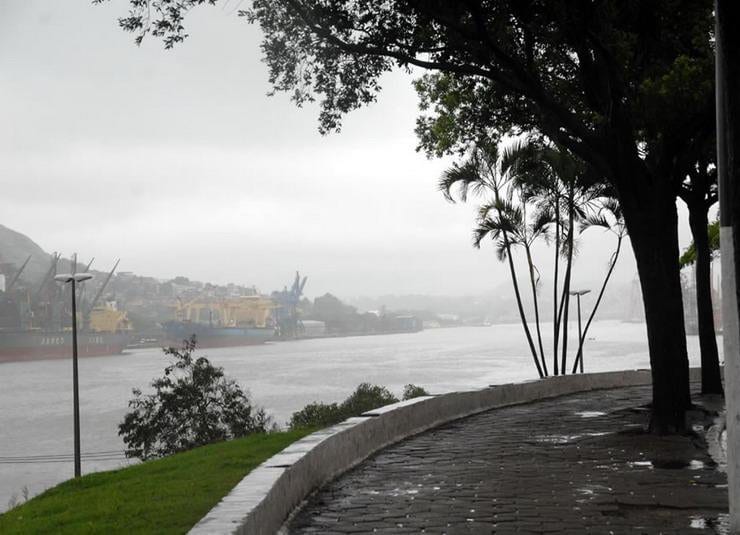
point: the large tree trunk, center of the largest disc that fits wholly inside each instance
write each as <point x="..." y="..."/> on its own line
<point x="711" y="380"/>
<point x="651" y="218"/>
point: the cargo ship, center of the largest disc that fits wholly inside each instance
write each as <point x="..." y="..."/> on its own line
<point x="39" y="345"/>
<point x="222" y="322"/>
<point x="35" y="323"/>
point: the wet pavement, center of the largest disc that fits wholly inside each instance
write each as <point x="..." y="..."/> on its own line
<point x="575" y="464"/>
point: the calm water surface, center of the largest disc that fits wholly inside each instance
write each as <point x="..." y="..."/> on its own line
<point x="36" y="397"/>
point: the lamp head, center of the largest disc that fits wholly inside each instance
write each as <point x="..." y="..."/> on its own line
<point x="69" y="277"/>
<point x="579" y="292"/>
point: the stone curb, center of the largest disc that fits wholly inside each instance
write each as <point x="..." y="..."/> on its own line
<point x="262" y="501"/>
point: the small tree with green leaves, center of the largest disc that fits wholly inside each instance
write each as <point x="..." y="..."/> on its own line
<point x="193" y="404"/>
<point x="366" y="397"/>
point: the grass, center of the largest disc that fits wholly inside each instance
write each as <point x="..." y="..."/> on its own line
<point x="166" y="495"/>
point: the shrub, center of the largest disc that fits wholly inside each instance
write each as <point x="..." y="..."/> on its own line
<point x="413" y="391"/>
<point x="316" y="415"/>
<point x="365" y="398"/>
<point x="193" y="404"/>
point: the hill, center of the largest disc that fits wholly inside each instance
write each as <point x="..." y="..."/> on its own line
<point x="16" y="247"/>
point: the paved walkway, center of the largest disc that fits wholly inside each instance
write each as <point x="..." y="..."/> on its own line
<point x="576" y="464"/>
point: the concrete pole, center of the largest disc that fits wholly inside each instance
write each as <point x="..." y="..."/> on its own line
<point x="730" y="331"/>
<point x="75" y="384"/>
<point x="580" y="335"/>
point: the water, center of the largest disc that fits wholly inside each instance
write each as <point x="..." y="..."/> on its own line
<point x="36" y="397"/>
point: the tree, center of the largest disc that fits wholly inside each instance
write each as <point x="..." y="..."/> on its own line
<point x="531" y="187"/>
<point x="609" y="217"/>
<point x="625" y="86"/>
<point x="482" y="173"/>
<point x="193" y="404"/>
<point x="560" y="185"/>
<point x="699" y="192"/>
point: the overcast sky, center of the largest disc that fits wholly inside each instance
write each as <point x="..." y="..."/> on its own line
<point x="177" y="162"/>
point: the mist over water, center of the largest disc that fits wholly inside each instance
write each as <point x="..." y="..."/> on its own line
<point x="37" y="398"/>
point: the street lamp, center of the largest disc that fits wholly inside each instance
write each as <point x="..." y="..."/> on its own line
<point x="579" y="356"/>
<point x="74" y="279"/>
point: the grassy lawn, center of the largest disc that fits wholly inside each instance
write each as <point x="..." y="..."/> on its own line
<point x="163" y="496"/>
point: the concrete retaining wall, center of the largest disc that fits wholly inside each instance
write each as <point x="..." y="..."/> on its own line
<point x="264" y="499"/>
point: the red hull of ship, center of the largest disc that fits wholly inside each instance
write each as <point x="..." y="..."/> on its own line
<point x="19" y="346"/>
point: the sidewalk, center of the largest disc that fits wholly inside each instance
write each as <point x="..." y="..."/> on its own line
<point x="576" y="464"/>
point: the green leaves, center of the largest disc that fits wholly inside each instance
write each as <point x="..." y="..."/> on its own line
<point x="688" y="257"/>
<point x="193" y="404"/>
<point x="366" y="397"/>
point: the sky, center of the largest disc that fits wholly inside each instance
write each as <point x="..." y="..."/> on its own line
<point x="180" y="164"/>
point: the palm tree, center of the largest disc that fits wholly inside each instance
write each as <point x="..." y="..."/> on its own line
<point x="608" y="216"/>
<point x="534" y="191"/>
<point x="507" y="223"/>
<point x="560" y="184"/>
<point x="481" y="175"/>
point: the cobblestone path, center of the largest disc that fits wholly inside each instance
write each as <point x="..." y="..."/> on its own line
<point x="576" y="464"/>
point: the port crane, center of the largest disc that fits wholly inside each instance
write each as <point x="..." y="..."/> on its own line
<point x="288" y="322"/>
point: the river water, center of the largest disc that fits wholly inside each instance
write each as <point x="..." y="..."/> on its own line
<point x="36" y="397"/>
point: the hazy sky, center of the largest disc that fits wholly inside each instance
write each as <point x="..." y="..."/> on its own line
<point x="177" y="162"/>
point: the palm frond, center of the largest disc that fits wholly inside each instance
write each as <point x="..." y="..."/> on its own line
<point x="594" y="220"/>
<point x="466" y="176"/>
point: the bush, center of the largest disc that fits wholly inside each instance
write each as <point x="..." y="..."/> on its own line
<point x="365" y="398"/>
<point x="193" y="404"/>
<point x="316" y="415"/>
<point x="413" y="391"/>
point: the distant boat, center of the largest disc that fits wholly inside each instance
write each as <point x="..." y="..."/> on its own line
<point x="25" y="345"/>
<point x="211" y="336"/>
<point x="222" y="322"/>
<point x="33" y="326"/>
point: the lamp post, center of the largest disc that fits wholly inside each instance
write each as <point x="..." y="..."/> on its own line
<point x="74" y="279"/>
<point x="579" y="356"/>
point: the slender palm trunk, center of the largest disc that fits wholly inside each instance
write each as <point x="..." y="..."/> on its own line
<point x="517" y="293"/>
<point x="533" y="283"/>
<point x="520" y="306"/>
<point x="555" y="316"/>
<point x="615" y="256"/>
<point x="566" y="283"/>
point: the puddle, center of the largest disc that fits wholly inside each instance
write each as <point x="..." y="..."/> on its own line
<point x="679" y="464"/>
<point x="590" y="414"/>
<point x="589" y="492"/>
<point x="697" y="465"/>
<point x="719" y="524"/>
<point x="641" y="464"/>
<point x="671" y="464"/>
<point x="557" y="439"/>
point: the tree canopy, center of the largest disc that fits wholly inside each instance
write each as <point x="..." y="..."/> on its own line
<point x="578" y="71"/>
<point x="624" y="85"/>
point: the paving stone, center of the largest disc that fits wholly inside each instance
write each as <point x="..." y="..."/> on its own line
<point x="539" y="468"/>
